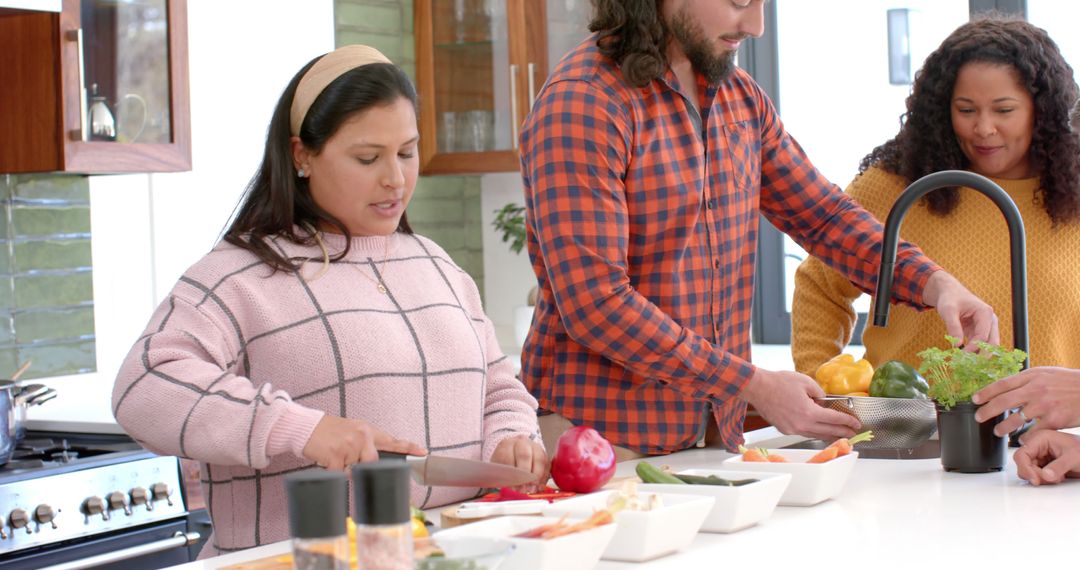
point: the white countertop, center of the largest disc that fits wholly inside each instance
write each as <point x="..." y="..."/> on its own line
<point x="891" y="514"/>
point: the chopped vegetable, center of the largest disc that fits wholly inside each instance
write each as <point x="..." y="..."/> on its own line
<point x="649" y="473"/>
<point x="584" y="461"/>
<point x="896" y="379"/>
<point x="628" y="499"/>
<point x="713" y="480"/>
<point x="843" y="375"/>
<point x="561" y="528"/>
<point x="758" y="455"/>
<point x="840" y="447"/>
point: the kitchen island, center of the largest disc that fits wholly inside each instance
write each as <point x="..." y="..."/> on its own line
<point x="891" y="514"/>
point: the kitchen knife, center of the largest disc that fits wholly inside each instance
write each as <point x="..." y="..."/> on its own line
<point x="443" y="471"/>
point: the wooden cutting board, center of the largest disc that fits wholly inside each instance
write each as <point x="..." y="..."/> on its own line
<point x="448" y="517"/>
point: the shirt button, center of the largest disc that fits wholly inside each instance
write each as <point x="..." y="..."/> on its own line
<point x="716" y="263"/>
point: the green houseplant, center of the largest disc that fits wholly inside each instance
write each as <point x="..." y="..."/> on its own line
<point x="954" y="375"/>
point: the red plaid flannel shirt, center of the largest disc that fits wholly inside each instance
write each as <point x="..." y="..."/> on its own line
<point x="642" y="229"/>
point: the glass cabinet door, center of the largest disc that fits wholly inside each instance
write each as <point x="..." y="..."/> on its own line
<point x="470" y="87"/>
<point x="125" y="71"/>
<point x="568" y="24"/>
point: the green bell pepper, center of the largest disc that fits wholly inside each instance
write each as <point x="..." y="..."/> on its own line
<point x="895" y="379"/>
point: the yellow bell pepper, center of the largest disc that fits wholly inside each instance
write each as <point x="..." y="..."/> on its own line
<point x="843" y="375"/>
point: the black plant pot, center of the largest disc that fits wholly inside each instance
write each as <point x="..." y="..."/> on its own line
<point x="968" y="446"/>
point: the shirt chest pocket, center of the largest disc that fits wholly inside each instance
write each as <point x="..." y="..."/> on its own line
<point x="739" y="152"/>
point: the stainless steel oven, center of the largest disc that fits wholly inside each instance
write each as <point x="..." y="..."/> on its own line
<point x="91" y="501"/>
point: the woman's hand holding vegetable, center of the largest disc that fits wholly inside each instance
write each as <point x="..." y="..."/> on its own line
<point x="523" y="453"/>
<point x="785" y="400"/>
<point x="337" y="443"/>
<point x="1048" y="457"/>
<point x="1049" y="394"/>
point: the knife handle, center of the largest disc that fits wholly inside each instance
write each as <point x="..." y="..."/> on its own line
<point x="391" y="455"/>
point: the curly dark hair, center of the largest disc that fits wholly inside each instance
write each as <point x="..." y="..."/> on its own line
<point x="632" y="33"/>
<point x="926" y="142"/>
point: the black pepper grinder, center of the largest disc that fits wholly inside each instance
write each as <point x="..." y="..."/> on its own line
<point x="382" y="515"/>
<point x="318" y="504"/>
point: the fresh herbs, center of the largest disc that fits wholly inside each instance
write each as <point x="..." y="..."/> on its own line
<point x="955" y="374"/>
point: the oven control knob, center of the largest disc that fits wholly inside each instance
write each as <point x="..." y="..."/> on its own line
<point x="19" y="518"/>
<point x="160" y="491"/>
<point x="95" y="506"/>
<point x="139" y="496"/>
<point x="118" y="501"/>
<point x="44" y="514"/>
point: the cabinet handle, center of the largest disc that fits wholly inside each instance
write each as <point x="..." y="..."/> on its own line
<point x="513" y="106"/>
<point x="81" y="133"/>
<point x="532" y="85"/>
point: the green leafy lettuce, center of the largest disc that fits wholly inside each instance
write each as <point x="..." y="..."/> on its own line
<point x="955" y="374"/>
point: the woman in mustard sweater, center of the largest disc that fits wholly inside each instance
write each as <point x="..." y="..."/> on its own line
<point x="993" y="99"/>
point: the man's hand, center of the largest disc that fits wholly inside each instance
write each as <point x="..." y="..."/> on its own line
<point x="523" y="453"/>
<point x="784" y="399"/>
<point x="337" y="443"/>
<point x="966" y="316"/>
<point x="1048" y="457"/>
<point x="1048" y="394"/>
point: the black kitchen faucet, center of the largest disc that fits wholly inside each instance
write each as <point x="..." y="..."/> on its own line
<point x="1017" y="248"/>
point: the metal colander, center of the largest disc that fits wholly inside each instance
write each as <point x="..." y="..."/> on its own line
<point x="897" y="422"/>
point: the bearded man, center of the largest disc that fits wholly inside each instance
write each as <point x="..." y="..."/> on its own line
<point x="646" y="162"/>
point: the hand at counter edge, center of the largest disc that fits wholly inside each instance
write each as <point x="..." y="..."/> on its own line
<point x="785" y="400"/>
<point x="1048" y="457"/>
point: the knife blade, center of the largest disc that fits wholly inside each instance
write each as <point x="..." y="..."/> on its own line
<point x="442" y="471"/>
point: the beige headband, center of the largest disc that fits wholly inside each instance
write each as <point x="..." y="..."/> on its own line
<point x="326" y="70"/>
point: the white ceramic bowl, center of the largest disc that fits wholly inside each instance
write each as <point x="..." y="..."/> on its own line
<point x="811" y="483"/>
<point x="643" y="535"/>
<point x="474" y="552"/>
<point x="577" y="551"/>
<point x="735" y="508"/>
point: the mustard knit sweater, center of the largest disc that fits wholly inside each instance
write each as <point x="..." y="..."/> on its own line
<point x="972" y="244"/>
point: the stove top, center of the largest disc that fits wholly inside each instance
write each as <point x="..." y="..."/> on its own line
<point x="60" y="486"/>
<point x="42" y="452"/>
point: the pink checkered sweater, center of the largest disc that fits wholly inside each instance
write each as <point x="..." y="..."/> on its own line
<point x="237" y="366"/>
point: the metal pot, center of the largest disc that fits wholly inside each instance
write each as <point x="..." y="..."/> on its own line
<point x="26" y="396"/>
<point x="8" y="420"/>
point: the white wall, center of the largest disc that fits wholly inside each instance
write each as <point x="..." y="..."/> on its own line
<point x="147" y="229"/>
<point x="507" y="276"/>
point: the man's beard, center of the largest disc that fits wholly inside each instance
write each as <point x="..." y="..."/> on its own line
<point x="715" y="67"/>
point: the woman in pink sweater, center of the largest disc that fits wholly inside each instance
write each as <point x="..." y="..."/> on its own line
<point x="322" y="329"/>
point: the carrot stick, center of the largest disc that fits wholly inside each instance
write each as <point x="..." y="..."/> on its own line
<point x="755" y="454"/>
<point x="844" y="444"/>
<point x="825" y="455"/>
<point x="774" y="458"/>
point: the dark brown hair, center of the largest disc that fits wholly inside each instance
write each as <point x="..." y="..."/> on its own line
<point x="632" y="33"/>
<point x="926" y="142"/>
<point x="277" y="200"/>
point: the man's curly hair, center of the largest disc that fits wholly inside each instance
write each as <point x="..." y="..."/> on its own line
<point x="632" y="33"/>
<point x="926" y="142"/>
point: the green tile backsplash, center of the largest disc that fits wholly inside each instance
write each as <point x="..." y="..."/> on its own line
<point x="46" y="285"/>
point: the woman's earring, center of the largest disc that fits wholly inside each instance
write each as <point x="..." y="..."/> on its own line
<point x="301" y="173"/>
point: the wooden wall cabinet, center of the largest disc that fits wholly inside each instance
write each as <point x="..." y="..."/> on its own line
<point x="480" y="64"/>
<point x="101" y="87"/>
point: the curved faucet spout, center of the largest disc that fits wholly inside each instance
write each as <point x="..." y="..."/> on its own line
<point x="1017" y="247"/>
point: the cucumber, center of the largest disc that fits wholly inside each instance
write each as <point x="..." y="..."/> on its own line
<point x="713" y="480"/>
<point x="650" y="473"/>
